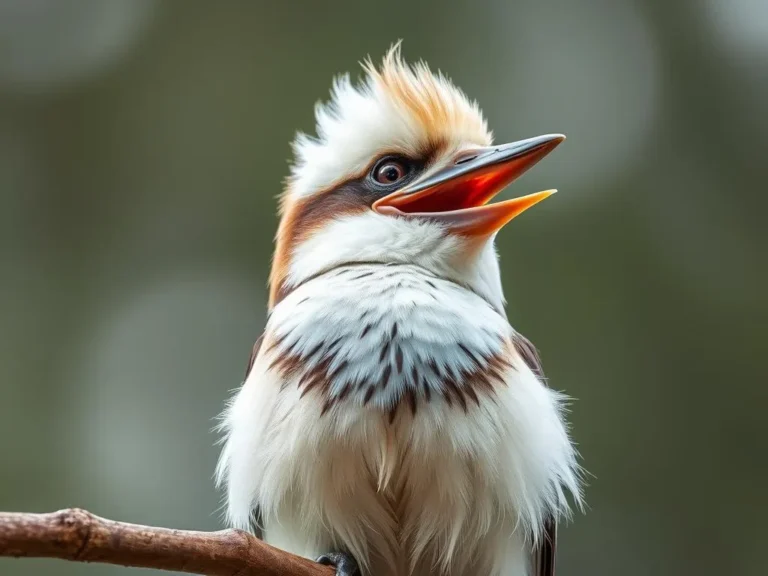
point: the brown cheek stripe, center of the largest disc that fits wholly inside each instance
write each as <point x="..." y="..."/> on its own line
<point x="300" y="218"/>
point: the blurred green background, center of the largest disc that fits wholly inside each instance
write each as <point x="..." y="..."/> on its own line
<point x="142" y="144"/>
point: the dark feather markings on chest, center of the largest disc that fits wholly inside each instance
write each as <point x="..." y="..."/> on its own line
<point x="426" y="381"/>
<point x="544" y="555"/>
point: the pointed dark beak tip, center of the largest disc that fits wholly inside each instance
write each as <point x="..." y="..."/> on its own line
<point x="544" y="143"/>
<point x="555" y="139"/>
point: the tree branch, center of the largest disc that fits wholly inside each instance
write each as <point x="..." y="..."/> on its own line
<point x="80" y="536"/>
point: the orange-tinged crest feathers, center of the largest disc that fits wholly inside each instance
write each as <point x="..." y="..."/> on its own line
<point x="398" y="108"/>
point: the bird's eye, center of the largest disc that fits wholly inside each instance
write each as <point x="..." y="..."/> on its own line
<point x="389" y="172"/>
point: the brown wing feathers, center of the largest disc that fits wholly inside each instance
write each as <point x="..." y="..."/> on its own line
<point x="543" y="560"/>
<point x="544" y="555"/>
<point x="254" y="354"/>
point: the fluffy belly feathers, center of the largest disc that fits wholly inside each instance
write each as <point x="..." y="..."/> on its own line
<point x="407" y="496"/>
<point x="414" y="437"/>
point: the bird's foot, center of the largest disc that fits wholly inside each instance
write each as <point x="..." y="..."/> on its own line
<point x="344" y="563"/>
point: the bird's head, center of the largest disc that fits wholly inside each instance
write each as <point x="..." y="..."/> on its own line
<point x="401" y="172"/>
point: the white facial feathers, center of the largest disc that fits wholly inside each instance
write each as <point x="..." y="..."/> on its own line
<point x="397" y="108"/>
<point x="373" y="237"/>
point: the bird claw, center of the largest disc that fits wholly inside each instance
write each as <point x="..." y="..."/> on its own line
<point x="344" y="563"/>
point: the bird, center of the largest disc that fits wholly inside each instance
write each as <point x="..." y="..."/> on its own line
<point x="392" y="422"/>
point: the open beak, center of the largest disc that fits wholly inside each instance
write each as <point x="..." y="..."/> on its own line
<point x="458" y="194"/>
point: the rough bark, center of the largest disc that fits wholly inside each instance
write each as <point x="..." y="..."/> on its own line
<point x="80" y="536"/>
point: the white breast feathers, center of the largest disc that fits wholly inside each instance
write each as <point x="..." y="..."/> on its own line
<point x="389" y="413"/>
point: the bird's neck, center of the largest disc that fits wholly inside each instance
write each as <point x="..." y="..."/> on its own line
<point x="382" y="335"/>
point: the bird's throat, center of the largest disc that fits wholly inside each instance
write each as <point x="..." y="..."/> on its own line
<point x="386" y="337"/>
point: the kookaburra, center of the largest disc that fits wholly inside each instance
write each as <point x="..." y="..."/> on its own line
<point x="392" y="422"/>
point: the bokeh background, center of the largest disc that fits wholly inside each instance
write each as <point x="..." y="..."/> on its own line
<point x="142" y="144"/>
